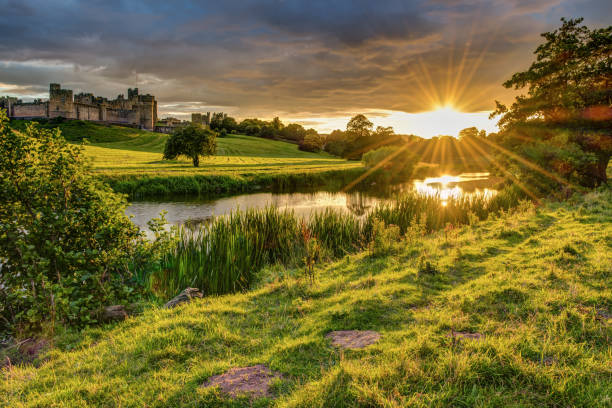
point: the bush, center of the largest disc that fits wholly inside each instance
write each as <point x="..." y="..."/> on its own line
<point x="65" y="242"/>
<point x="383" y="238"/>
<point x="391" y="161"/>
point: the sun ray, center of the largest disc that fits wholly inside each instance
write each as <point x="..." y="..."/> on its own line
<point x="531" y="165"/>
<point x="375" y="167"/>
<point x="503" y="170"/>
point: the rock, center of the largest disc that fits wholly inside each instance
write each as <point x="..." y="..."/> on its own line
<point x="456" y="336"/>
<point x="185" y="296"/>
<point x="253" y="381"/>
<point x="114" y="313"/>
<point x="353" y="339"/>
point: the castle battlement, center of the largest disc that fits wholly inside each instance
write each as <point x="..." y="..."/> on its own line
<point x="136" y="110"/>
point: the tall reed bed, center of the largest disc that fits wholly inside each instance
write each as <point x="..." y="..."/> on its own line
<point x="225" y="255"/>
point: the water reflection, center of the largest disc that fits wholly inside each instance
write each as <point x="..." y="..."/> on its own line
<point x="194" y="212"/>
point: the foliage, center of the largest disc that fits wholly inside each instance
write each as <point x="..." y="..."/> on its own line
<point x="564" y="123"/>
<point x="294" y="132"/>
<point x="192" y="141"/>
<point x="225" y="255"/>
<point x="313" y="142"/>
<point x="384" y="238"/>
<point x="335" y="143"/>
<point x="358" y="137"/>
<point x="393" y="162"/>
<point x="545" y="326"/>
<point x="65" y="242"/>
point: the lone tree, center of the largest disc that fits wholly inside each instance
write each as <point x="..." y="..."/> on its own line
<point x="564" y="123"/>
<point x="192" y="141"/>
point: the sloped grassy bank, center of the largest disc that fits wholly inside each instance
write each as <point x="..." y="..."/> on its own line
<point x="143" y="186"/>
<point x="226" y="254"/>
<point x="534" y="282"/>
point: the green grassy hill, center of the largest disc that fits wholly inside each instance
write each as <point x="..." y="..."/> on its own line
<point x="131" y="161"/>
<point x="535" y="283"/>
<point x="236" y="155"/>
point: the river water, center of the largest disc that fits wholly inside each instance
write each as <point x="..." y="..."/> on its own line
<point x="194" y="211"/>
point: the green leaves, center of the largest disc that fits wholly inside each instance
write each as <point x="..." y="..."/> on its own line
<point x="192" y="141"/>
<point x="64" y="239"/>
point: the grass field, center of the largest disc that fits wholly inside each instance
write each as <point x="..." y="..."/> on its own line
<point x="236" y="155"/>
<point x="130" y="160"/>
<point x="535" y="283"/>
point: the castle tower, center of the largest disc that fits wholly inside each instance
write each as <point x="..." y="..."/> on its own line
<point x="147" y="106"/>
<point x="132" y="93"/>
<point x="60" y="102"/>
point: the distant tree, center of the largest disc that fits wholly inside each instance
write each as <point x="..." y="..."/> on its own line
<point x="394" y="162"/>
<point x="313" y="142"/>
<point x="471" y="132"/>
<point x="277" y="124"/>
<point x="359" y="127"/>
<point x="336" y="143"/>
<point x="229" y="124"/>
<point x="358" y="137"/>
<point x="267" y="131"/>
<point x="293" y="131"/>
<point x="564" y="123"/>
<point x="216" y="120"/>
<point x="192" y="141"/>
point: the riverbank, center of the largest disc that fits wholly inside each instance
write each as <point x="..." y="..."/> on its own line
<point x="529" y="287"/>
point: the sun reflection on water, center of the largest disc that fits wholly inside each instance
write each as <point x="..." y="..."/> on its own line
<point x="447" y="187"/>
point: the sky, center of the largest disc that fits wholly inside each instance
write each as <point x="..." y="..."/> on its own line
<point x="424" y="67"/>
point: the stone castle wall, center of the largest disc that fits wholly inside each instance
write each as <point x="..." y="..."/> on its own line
<point x="137" y="110"/>
<point x="30" y="110"/>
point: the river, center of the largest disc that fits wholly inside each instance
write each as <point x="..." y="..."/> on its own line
<point x="194" y="211"/>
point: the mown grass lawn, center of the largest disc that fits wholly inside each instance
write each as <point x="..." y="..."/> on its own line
<point x="118" y="151"/>
<point x="535" y="283"/>
<point x="236" y="155"/>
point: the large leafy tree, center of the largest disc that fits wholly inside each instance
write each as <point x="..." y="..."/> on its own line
<point x="192" y="141"/>
<point x="564" y="122"/>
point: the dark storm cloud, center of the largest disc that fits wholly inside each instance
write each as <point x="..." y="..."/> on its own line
<point x="273" y="57"/>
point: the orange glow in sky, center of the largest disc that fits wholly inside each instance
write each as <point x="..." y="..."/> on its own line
<point x="441" y="121"/>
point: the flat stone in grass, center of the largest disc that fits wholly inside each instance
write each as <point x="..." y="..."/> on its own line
<point x="185" y="296"/>
<point x="465" y="335"/>
<point x="353" y="339"/>
<point x="253" y="381"/>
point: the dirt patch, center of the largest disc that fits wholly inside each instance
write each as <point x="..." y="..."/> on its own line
<point x="254" y="381"/>
<point x="465" y="336"/>
<point x="353" y="339"/>
<point x="27" y="351"/>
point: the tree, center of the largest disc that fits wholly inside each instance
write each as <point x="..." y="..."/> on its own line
<point x="277" y="124"/>
<point x="313" y="142"/>
<point x="359" y="127"/>
<point x="358" y="137"/>
<point x="294" y="132"/>
<point x="229" y="124"/>
<point x="564" y="121"/>
<point x="192" y="141"/>
<point x="471" y="132"/>
<point x="66" y="245"/>
<point x="336" y="143"/>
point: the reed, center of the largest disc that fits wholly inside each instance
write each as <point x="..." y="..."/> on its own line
<point x="225" y="255"/>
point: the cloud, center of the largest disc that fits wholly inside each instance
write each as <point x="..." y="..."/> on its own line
<point x="278" y="57"/>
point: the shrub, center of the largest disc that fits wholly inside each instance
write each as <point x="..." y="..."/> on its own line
<point x="65" y="242"/>
<point x="391" y="161"/>
<point x="383" y="238"/>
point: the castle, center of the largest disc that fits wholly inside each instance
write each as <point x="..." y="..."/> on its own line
<point x="137" y="110"/>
